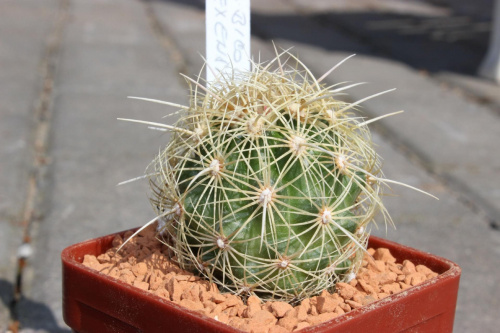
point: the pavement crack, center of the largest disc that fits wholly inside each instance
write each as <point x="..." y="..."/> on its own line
<point x="166" y="40"/>
<point x="40" y="160"/>
<point x="455" y="187"/>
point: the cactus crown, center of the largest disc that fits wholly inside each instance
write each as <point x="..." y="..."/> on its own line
<point x="268" y="183"/>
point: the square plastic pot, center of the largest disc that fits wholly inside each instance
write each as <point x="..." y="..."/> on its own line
<point x="94" y="302"/>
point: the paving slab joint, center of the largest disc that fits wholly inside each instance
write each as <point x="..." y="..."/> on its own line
<point x="42" y="116"/>
<point x="460" y="191"/>
<point x="166" y="40"/>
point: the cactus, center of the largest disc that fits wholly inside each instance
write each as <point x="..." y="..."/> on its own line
<point x="268" y="183"/>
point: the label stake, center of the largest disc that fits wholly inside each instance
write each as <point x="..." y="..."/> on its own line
<point x="227" y="37"/>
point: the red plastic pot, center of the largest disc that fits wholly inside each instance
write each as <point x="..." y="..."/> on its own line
<point x="94" y="302"/>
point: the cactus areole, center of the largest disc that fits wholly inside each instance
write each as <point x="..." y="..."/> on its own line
<point x="268" y="183"/>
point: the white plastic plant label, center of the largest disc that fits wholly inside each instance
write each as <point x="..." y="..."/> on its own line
<point x="227" y="36"/>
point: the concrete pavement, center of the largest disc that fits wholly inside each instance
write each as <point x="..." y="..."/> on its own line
<point x="95" y="53"/>
<point x="23" y="50"/>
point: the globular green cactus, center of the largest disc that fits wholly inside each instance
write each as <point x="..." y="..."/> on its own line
<point x="268" y="183"/>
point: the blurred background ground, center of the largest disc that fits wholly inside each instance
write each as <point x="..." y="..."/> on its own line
<point x="66" y="67"/>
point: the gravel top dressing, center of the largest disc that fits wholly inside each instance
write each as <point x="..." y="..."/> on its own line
<point x="144" y="262"/>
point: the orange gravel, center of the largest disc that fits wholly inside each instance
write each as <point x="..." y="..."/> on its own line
<point x="144" y="263"/>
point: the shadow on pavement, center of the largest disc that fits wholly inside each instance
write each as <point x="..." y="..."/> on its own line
<point x="434" y="44"/>
<point x="30" y="314"/>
